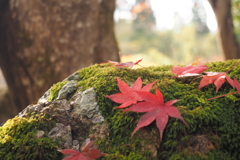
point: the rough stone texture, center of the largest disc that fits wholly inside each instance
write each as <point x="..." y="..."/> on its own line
<point x="83" y="110"/>
<point x="73" y="76"/>
<point x="68" y="88"/>
<point x="31" y="108"/>
<point x="44" y="98"/>
<point x="85" y="104"/>
<point x="64" y="133"/>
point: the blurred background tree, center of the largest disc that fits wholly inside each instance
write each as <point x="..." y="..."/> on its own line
<point x="144" y="21"/>
<point x="199" y="18"/>
<point x="182" y="44"/>
<point x="43" y="42"/>
<point x="227" y="38"/>
<point x="236" y="17"/>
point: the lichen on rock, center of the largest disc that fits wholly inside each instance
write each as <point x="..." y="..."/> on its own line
<point x="83" y="110"/>
<point x="85" y="104"/>
<point x="67" y="89"/>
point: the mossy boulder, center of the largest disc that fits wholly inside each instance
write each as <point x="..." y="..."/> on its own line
<point x="213" y="130"/>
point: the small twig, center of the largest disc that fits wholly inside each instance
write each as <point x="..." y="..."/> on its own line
<point x="221" y="96"/>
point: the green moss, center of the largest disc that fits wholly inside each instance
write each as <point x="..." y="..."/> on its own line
<point x="120" y="144"/>
<point x="186" y="155"/>
<point x="219" y="116"/>
<point x="216" y="118"/>
<point x="55" y="89"/>
<point x="131" y="156"/>
<point x="18" y="139"/>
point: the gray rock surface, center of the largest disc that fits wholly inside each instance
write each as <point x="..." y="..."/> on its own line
<point x="85" y="104"/>
<point x="44" y="98"/>
<point x="82" y="110"/>
<point x="63" y="133"/>
<point x="67" y="89"/>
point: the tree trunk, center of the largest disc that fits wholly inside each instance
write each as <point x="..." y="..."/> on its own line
<point x="226" y="37"/>
<point x="42" y="42"/>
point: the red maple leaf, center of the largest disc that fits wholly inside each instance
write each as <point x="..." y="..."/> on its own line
<point x="128" y="95"/>
<point x="234" y="83"/>
<point x="217" y="78"/>
<point x="87" y="153"/>
<point x="188" y="70"/>
<point x="126" y="64"/>
<point x="156" y="110"/>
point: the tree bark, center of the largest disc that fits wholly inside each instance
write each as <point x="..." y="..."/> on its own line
<point x="227" y="39"/>
<point x="42" y="42"/>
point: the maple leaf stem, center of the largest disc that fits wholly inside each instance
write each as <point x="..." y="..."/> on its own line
<point x="233" y="67"/>
<point x="221" y="96"/>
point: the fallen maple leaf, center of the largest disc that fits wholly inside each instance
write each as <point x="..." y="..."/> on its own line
<point x="234" y="83"/>
<point x="217" y="78"/>
<point x="188" y="70"/>
<point x="126" y="64"/>
<point x="87" y="153"/>
<point x="128" y="95"/>
<point x="156" y="110"/>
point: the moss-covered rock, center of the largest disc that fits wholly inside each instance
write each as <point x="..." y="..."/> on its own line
<point x="18" y="139"/>
<point x="213" y="130"/>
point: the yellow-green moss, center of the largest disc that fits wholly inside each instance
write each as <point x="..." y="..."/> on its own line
<point x="18" y="139"/>
<point x="55" y="89"/>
